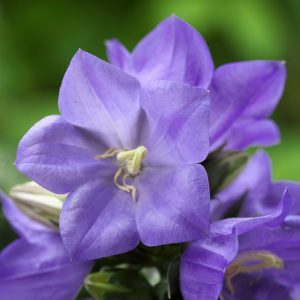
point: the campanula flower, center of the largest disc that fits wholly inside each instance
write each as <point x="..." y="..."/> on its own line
<point x="257" y="263"/>
<point x="37" y="266"/>
<point x="243" y="94"/>
<point x="128" y="157"/>
<point x="246" y="258"/>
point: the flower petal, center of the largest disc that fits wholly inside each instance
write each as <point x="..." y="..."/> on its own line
<point x="172" y="205"/>
<point x="100" y="97"/>
<point x="243" y="90"/>
<point x="203" y="264"/>
<point x="173" y="51"/>
<point x="248" y="287"/>
<point x="277" y="189"/>
<point x="178" y="122"/>
<point x="98" y="220"/>
<point x="43" y="270"/>
<point x="253" y="206"/>
<point x="253" y="133"/>
<point x="265" y="195"/>
<point x="284" y="242"/>
<point x="118" y="55"/>
<point x="57" y="155"/>
<point x="243" y="225"/>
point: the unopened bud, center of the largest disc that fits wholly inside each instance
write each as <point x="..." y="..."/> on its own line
<point x="38" y="203"/>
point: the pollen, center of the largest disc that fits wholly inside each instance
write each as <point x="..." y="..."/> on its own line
<point x="130" y="166"/>
<point x="251" y="262"/>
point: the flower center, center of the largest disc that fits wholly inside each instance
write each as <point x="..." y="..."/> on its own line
<point x="250" y="262"/>
<point x="130" y="165"/>
<point x="133" y="159"/>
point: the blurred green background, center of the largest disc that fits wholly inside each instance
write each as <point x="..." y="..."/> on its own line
<point x="38" y="39"/>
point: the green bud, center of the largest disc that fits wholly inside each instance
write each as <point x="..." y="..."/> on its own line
<point x="223" y="167"/>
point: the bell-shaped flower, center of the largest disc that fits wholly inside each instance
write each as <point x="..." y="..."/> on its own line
<point x="246" y="258"/>
<point x="243" y="94"/>
<point x="37" y="265"/>
<point x="128" y="157"/>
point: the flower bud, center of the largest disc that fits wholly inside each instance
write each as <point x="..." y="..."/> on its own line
<point x="38" y="203"/>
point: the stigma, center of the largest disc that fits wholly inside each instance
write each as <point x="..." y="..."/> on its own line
<point x="251" y="262"/>
<point x="130" y="161"/>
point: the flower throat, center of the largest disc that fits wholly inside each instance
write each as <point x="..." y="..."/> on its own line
<point x="250" y="262"/>
<point x="130" y="166"/>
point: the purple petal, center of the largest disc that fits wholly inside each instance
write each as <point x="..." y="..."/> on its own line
<point x="178" y="123"/>
<point x="242" y="91"/>
<point x="172" y="205"/>
<point x="243" y="225"/>
<point x="265" y="195"/>
<point x="98" y="220"/>
<point x="57" y="155"/>
<point x="28" y="271"/>
<point x="295" y="291"/>
<point x="203" y="265"/>
<point x="24" y="226"/>
<point x="248" y="287"/>
<point x="256" y="177"/>
<point x="253" y="133"/>
<point x="173" y="51"/>
<point x="118" y="55"/>
<point x="284" y="242"/>
<point x="100" y="97"/>
<point x="277" y="189"/>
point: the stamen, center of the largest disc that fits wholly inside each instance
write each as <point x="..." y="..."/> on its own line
<point x="133" y="159"/>
<point x="250" y="262"/>
<point x="107" y="154"/>
<point x="131" y="164"/>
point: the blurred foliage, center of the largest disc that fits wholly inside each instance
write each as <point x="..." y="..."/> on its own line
<point x="38" y="39"/>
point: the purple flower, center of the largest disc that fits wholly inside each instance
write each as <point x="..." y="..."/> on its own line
<point x="234" y="244"/>
<point x="37" y="266"/>
<point x="243" y="94"/>
<point x="127" y="155"/>
<point x="246" y="258"/>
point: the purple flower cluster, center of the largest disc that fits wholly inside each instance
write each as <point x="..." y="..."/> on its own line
<point x="129" y="149"/>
